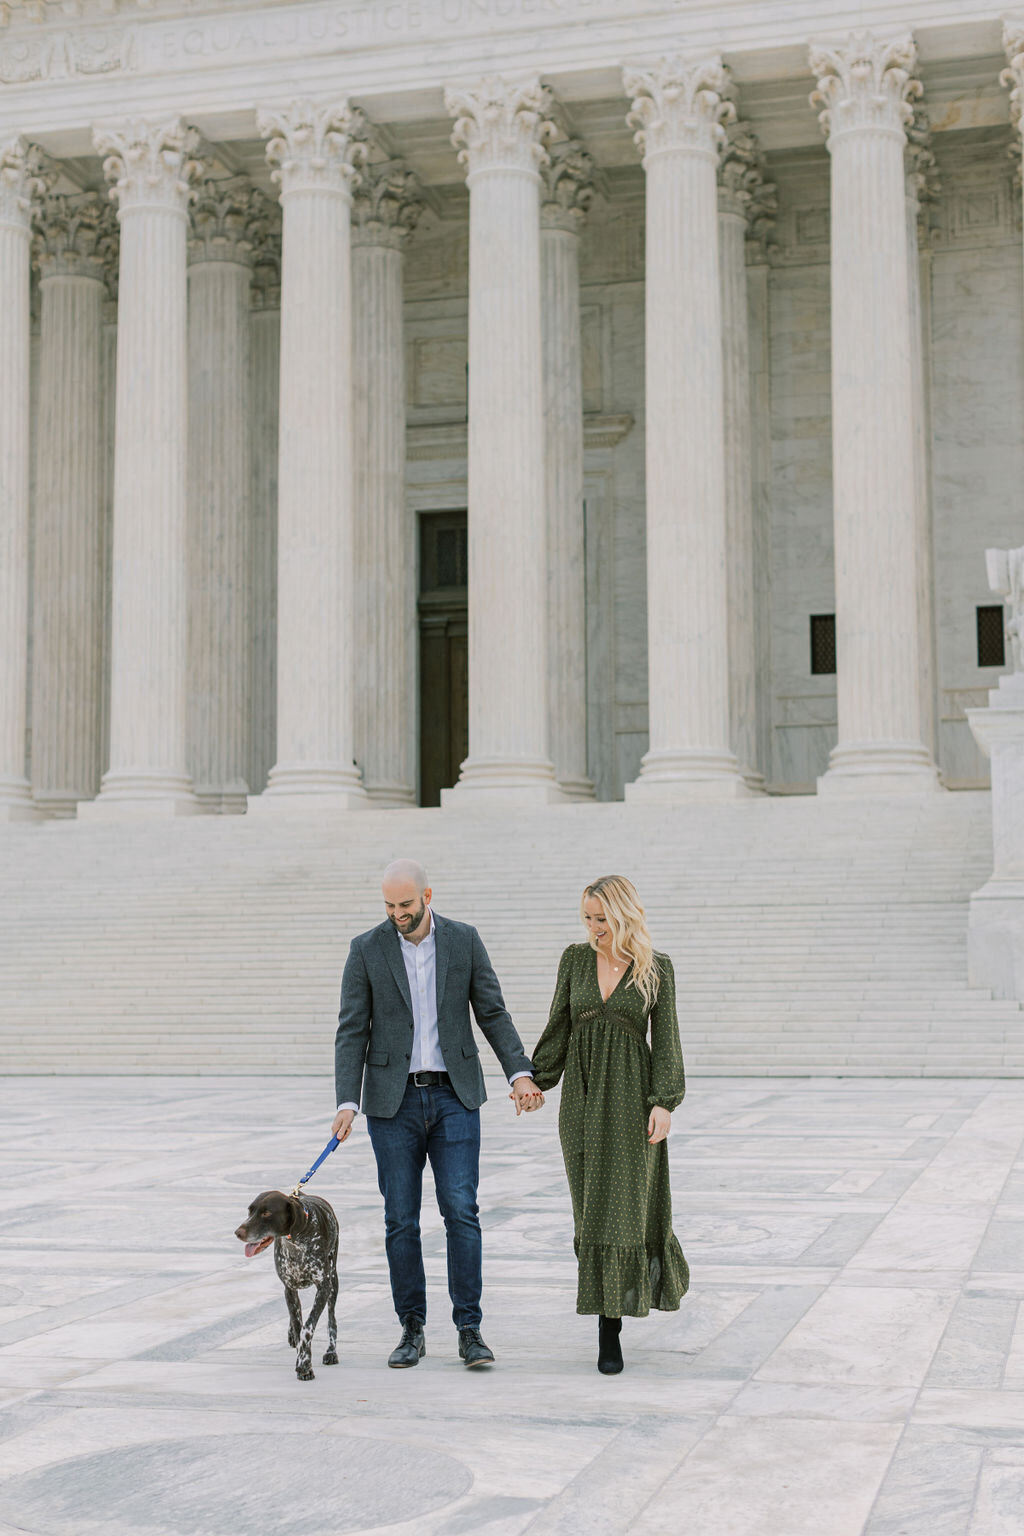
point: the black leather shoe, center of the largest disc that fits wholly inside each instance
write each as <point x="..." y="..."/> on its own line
<point x="609" y="1352"/>
<point x="411" y="1346"/>
<point x="472" y="1348"/>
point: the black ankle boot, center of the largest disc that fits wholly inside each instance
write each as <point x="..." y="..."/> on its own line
<point x="609" y="1353"/>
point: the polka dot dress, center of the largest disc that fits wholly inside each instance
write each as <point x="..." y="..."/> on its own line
<point x="629" y="1257"/>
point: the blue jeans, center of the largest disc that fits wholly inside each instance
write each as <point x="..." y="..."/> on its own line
<point x="431" y="1123"/>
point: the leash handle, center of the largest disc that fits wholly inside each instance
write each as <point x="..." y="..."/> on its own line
<point x="330" y="1147"/>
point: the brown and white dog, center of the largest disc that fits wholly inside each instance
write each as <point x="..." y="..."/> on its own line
<point x="304" y="1232"/>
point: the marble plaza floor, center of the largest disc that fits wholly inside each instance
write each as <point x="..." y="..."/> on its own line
<point x="850" y="1358"/>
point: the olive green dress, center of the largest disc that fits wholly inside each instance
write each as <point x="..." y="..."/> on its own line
<point x="629" y="1257"/>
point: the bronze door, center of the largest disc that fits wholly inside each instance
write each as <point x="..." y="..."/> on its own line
<point x="444" y="652"/>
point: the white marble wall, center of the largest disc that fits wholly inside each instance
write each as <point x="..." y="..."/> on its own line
<point x="800" y="482"/>
<point x="977" y="388"/>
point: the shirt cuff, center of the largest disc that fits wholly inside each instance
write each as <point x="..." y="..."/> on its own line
<point x="347" y="1106"/>
<point x="513" y="1080"/>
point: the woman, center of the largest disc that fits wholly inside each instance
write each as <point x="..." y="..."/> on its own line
<point x="616" y="1111"/>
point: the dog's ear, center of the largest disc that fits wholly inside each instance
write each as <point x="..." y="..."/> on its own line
<point x="293" y="1214"/>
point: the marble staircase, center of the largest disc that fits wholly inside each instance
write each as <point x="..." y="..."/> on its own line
<point x="808" y="936"/>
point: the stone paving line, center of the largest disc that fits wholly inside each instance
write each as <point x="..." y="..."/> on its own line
<point x="849" y="1362"/>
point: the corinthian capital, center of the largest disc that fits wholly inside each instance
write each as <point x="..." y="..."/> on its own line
<point x="743" y="187"/>
<point x="387" y="206"/>
<point x="313" y="146"/>
<point x="73" y="235"/>
<point x="25" y="173"/>
<point x="223" y="215"/>
<point x="865" y="82"/>
<point x="501" y="123"/>
<point x="149" y="164"/>
<point x="568" y="186"/>
<point x="1013" y="75"/>
<point x="679" y="104"/>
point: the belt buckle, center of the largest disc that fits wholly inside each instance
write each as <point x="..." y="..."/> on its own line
<point x="428" y="1075"/>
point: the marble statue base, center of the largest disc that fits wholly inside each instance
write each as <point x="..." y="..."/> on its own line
<point x="995" y="944"/>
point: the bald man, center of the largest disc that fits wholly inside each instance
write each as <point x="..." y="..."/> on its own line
<point x="406" y="1044"/>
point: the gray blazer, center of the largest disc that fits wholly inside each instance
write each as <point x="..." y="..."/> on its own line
<point x="373" y="1046"/>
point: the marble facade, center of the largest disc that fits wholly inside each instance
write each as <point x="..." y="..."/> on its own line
<point x="606" y="281"/>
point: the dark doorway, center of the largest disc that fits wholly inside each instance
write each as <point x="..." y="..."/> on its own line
<point x="444" y="652"/>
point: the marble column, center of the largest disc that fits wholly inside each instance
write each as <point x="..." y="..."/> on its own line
<point x="865" y="89"/>
<point x="741" y="176"/>
<point x="313" y="150"/>
<point x="922" y="188"/>
<point x="501" y="125"/>
<point x="678" y="112"/>
<point x="72" y="233"/>
<point x="150" y="166"/>
<point x="219" y="276"/>
<point x="566" y="194"/>
<point x="1012" y="78"/>
<point x="21" y="179"/>
<point x="265" y="350"/>
<point x="385" y="210"/>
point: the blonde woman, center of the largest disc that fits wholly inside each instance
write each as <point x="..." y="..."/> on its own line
<point x="616" y="1111"/>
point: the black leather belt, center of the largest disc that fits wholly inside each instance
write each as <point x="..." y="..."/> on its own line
<point x="430" y="1079"/>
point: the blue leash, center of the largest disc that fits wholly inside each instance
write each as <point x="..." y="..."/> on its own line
<point x="322" y="1158"/>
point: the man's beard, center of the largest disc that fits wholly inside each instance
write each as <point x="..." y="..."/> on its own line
<point x="417" y="918"/>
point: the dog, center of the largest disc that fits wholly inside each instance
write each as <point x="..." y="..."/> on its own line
<point x="304" y="1232"/>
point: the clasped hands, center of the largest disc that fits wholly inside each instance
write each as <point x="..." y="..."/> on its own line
<point x="526" y="1095"/>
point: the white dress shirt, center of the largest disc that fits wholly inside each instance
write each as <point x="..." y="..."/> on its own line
<point x="421" y="968"/>
<point x="420" y="961"/>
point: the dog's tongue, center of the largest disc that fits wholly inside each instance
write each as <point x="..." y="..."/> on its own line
<point x="252" y="1248"/>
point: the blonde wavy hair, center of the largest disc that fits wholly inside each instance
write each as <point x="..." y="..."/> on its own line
<point x="630" y="939"/>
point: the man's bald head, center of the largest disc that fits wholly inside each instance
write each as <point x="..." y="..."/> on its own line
<point x="406" y="870"/>
<point x="407" y="898"/>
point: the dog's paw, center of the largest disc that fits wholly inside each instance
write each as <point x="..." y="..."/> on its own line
<point x="331" y="1357"/>
<point x="305" y="1373"/>
<point x="293" y="1338"/>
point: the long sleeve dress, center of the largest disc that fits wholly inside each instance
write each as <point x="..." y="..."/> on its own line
<point x="629" y="1257"/>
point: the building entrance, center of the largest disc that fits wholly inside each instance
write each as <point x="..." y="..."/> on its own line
<point x="444" y="652"/>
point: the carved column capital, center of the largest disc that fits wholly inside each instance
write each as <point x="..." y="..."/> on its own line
<point x="865" y="83"/>
<point x="25" y="174"/>
<point x="73" y="235"/>
<point x="923" y="180"/>
<point x="223" y="214"/>
<point x="679" y="104"/>
<point x="264" y="229"/>
<point x="743" y="187"/>
<point x="567" y="186"/>
<point x="387" y="205"/>
<point x="314" y="146"/>
<point x="1012" y="76"/>
<point x="501" y="124"/>
<point x="149" y="164"/>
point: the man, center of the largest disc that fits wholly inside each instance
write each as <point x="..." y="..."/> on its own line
<point x="405" y="1041"/>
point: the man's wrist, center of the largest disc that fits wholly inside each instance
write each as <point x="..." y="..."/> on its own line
<point x="518" y="1078"/>
<point x="353" y="1107"/>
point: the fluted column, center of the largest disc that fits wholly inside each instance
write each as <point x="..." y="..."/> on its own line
<point x="21" y="179"/>
<point x="678" y="111"/>
<point x="922" y="188"/>
<point x="265" y="346"/>
<point x="313" y="152"/>
<point x="565" y="197"/>
<point x="501" y="125"/>
<point x="151" y="169"/>
<point x="741" y="180"/>
<point x="865" y="88"/>
<point x="385" y="210"/>
<point x="219" y="276"/>
<point x="72" y="236"/>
